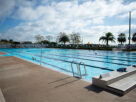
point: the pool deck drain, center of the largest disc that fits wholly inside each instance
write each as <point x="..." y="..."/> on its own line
<point x="23" y="81"/>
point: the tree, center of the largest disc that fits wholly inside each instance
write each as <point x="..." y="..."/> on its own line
<point x="63" y="38"/>
<point x="16" y="42"/>
<point x="39" y="38"/>
<point x="4" y="40"/>
<point x="75" y="38"/>
<point x="121" y="38"/>
<point x="11" y="41"/>
<point x="45" y="42"/>
<point x="48" y="37"/>
<point x="134" y="37"/>
<point x="57" y="39"/>
<point x="53" y="43"/>
<point x="108" y="37"/>
<point x="27" y="42"/>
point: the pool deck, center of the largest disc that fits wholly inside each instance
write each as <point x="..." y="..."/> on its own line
<point x="1" y="53"/>
<point x="23" y="81"/>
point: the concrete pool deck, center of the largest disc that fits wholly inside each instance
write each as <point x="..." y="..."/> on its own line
<point x="1" y="53"/>
<point x="23" y="81"/>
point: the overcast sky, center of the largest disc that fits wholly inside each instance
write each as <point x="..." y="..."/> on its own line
<point x="21" y="20"/>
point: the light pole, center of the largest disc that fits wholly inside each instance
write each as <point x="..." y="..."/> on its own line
<point x="129" y="28"/>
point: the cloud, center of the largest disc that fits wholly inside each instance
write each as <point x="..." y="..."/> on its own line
<point x="126" y="15"/>
<point x="46" y="17"/>
<point x="92" y="34"/>
<point x="26" y="13"/>
<point x="72" y="9"/>
<point x="6" y="8"/>
<point x="98" y="31"/>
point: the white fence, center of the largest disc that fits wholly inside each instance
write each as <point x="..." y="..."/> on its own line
<point x="5" y="45"/>
<point x="22" y="45"/>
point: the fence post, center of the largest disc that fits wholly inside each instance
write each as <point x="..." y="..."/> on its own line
<point x="41" y="56"/>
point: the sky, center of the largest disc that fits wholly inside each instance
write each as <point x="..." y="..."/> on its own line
<point x="21" y="20"/>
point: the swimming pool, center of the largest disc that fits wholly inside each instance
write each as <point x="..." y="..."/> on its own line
<point x="96" y="62"/>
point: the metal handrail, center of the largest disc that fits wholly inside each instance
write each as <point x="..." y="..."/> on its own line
<point x="72" y="68"/>
<point x="78" y="68"/>
<point x="82" y="63"/>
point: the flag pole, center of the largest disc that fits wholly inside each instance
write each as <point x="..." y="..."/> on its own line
<point x="129" y="28"/>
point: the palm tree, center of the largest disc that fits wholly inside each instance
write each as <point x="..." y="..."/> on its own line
<point x="121" y="38"/>
<point x="63" y="38"/>
<point x="108" y="37"/>
<point x="134" y="37"/>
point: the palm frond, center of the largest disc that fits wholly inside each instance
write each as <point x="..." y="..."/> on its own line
<point x="103" y="38"/>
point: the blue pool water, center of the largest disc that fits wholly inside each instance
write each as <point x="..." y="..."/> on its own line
<point x="6" y="55"/>
<point x="97" y="62"/>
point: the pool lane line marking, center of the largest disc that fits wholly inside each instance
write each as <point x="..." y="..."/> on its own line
<point x="96" y="60"/>
<point x="89" y="59"/>
<point x="109" y="56"/>
<point x="104" y="58"/>
<point x="57" y="66"/>
<point x="104" y="68"/>
<point x="89" y="54"/>
<point x="101" y="57"/>
<point x="51" y="65"/>
<point x="47" y="64"/>
<point x="86" y="54"/>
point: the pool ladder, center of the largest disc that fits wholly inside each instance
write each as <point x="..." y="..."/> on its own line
<point x="78" y="66"/>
